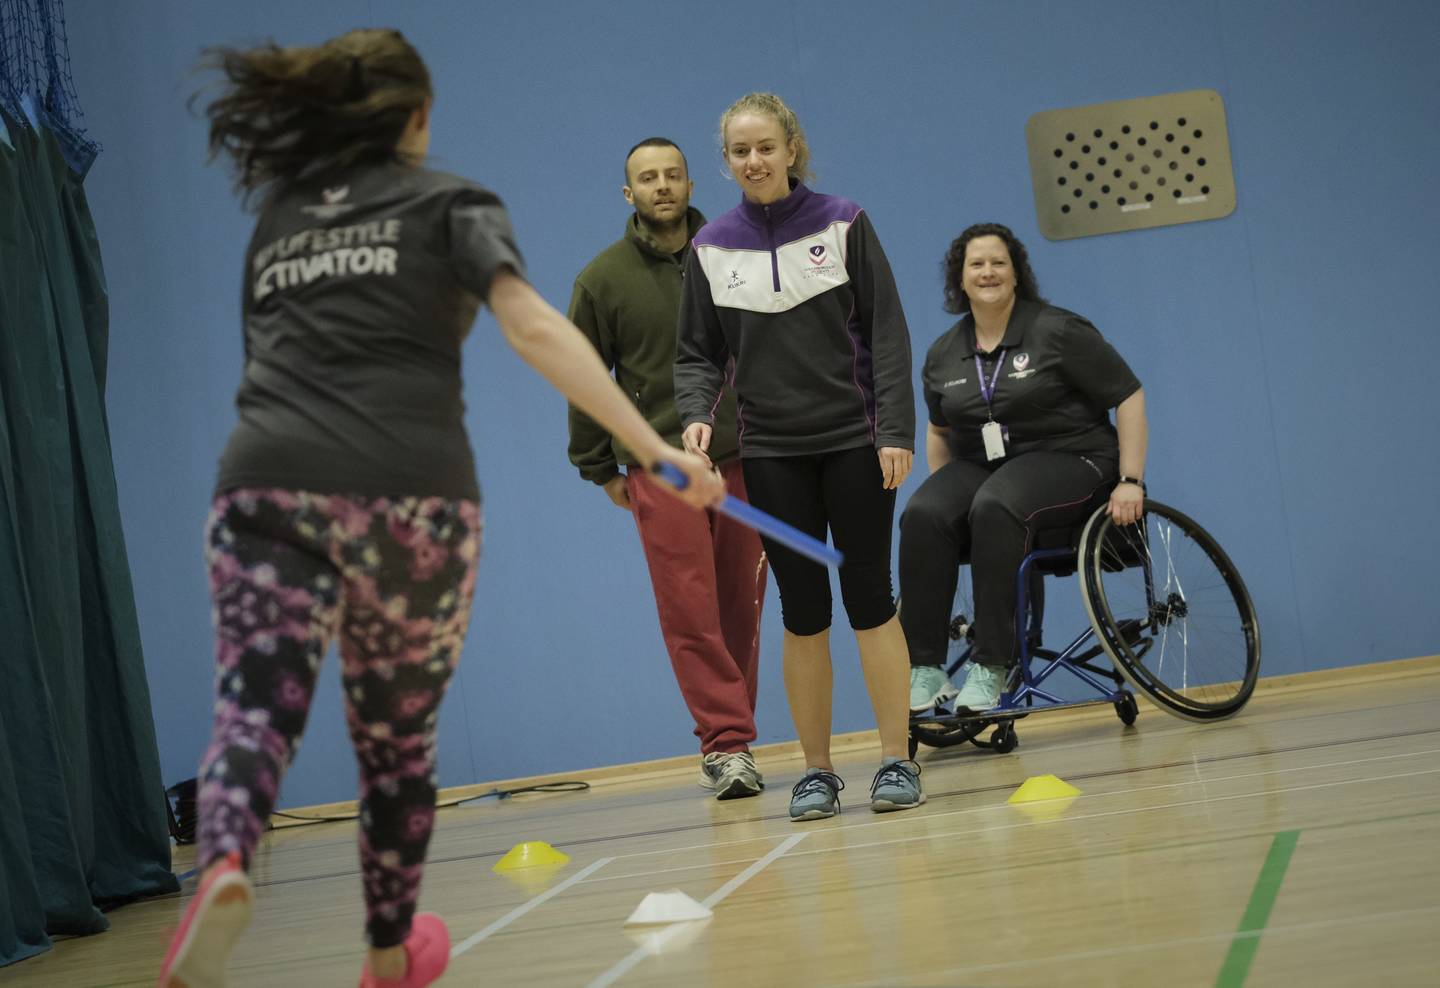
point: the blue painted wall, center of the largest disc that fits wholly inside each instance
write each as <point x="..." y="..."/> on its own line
<point x="1288" y="351"/>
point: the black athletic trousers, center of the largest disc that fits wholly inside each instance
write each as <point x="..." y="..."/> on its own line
<point x="986" y="516"/>
<point x="844" y="492"/>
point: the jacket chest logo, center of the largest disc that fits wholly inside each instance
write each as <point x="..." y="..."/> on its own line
<point x="751" y="278"/>
<point x="821" y="264"/>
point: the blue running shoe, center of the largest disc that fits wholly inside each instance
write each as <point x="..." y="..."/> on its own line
<point x="896" y="787"/>
<point x="816" y="795"/>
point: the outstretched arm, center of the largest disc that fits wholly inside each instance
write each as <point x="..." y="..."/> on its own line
<point x="546" y="341"/>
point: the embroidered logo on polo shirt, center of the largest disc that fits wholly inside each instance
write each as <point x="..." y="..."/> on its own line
<point x="1021" y="363"/>
<point x="951" y="384"/>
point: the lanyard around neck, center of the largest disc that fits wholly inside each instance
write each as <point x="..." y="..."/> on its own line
<point x="987" y="391"/>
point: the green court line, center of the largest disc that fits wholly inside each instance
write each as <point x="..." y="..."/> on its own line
<point x="1257" y="911"/>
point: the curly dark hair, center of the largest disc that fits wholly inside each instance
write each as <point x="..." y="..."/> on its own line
<point x="954" y="266"/>
<point x="305" y="113"/>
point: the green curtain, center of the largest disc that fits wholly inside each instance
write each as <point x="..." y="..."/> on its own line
<point x="82" y="816"/>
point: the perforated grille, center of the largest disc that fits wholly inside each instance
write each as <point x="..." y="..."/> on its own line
<point x="1131" y="164"/>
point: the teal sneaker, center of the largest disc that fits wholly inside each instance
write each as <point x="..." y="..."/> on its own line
<point x="816" y="796"/>
<point x="981" y="691"/>
<point x="896" y="787"/>
<point x="929" y="688"/>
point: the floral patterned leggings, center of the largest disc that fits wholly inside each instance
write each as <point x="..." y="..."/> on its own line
<point x="394" y="577"/>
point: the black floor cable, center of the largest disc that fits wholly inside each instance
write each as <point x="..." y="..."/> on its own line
<point x="493" y="793"/>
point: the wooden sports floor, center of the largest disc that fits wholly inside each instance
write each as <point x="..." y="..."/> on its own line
<point x="1297" y="844"/>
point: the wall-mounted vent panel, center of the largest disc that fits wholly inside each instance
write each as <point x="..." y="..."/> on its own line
<point x="1131" y="164"/>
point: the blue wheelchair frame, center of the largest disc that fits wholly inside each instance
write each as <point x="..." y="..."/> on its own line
<point x="1023" y="697"/>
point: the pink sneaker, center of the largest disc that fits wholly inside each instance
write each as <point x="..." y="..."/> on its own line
<point x="213" y="922"/>
<point x="428" y="950"/>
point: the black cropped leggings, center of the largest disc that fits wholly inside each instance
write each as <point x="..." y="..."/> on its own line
<point x="843" y="492"/>
<point x="988" y="517"/>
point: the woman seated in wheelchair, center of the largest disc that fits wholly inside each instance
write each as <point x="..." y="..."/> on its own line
<point x="1019" y="440"/>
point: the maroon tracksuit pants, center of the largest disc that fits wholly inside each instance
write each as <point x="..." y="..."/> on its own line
<point x="709" y="578"/>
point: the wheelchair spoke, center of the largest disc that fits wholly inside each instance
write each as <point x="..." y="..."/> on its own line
<point x="1165" y="575"/>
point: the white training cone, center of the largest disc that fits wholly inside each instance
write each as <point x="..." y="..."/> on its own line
<point x="673" y="938"/>
<point x="667" y="907"/>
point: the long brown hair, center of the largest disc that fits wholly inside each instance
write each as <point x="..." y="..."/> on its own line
<point x="309" y="112"/>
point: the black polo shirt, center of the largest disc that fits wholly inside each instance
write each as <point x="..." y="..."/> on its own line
<point x="357" y="297"/>
<point x="1057" y="383"/>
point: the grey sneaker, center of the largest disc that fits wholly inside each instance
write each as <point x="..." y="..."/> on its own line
<point x="929" y="688"/>
<point x="896" y="787"/>
<point x="816" y="795"/>
<point x="732" y="776"/>
<point x="981" y="691"/>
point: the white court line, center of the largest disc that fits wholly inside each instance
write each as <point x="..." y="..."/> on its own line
<point x="1139" y="809"/>
<point x="1205" y="801"/>
<point x="711" y="901"/>
<point x="701" y="866"/>
<point x="640" y="953"/>
<point x="1138" y="947"/>
<point x="519" y="911"/>
<point x="932" y="816"/>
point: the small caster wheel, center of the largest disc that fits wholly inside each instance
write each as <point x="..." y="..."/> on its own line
<point x="1126" y="709"/>
<point x="1005" y="739"/>
<point x="914" y="745"/>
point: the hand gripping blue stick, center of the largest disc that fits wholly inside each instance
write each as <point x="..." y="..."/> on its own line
<point x="767" y="525"/>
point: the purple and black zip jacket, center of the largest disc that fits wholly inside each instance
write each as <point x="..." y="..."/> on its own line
<point x="797" y="301"/>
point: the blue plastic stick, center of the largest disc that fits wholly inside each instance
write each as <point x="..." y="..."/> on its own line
<point x="767" y="525"/>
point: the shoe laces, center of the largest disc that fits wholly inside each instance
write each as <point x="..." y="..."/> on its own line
<point x="735" y="763"/>
<point x="903" y="772"/>
<point x="814" y="783"/>
<point x="987" y="678"/>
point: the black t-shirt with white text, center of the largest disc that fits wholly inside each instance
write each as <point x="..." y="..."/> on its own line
<point x="358" y="294"/>
<point x="1057" y="381"/>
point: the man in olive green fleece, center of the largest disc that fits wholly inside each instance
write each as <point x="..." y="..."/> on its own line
<point x="708" y="572"/>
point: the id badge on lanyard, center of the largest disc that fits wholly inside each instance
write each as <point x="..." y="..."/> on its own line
<point x="992" y="433"/>
<point x="994" y="439"/>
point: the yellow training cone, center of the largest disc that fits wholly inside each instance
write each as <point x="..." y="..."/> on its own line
<point x="530" y="854"/>
<point x="538" y="878"/>
<point x="1042" y="787"/>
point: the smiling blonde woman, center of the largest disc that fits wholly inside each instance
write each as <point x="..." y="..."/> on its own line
<point x="789" y="297"/>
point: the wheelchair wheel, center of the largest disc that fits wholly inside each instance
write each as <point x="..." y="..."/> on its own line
<point x="1004" y="740"/>
<point x="1171" y="611"/>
